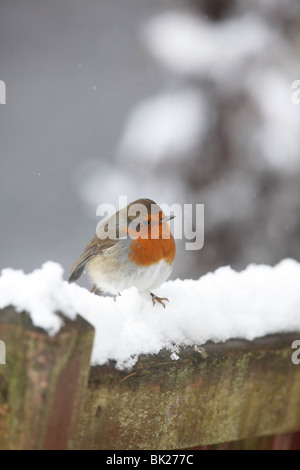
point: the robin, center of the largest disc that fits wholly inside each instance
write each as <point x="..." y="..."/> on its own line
<point x="129" y="251"/>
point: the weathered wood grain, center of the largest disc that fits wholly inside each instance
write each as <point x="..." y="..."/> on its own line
<point x="51" y="398"/>
<point x="43" y="382"/>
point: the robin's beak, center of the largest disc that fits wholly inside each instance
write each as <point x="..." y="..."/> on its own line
<point x="165" y="218"/>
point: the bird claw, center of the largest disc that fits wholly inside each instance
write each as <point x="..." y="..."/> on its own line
<point x="158" y="299"/>
<point x="95" y="290"/>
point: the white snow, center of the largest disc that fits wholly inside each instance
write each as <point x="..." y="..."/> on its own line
<point x="192" y="45"/>
<point x="225" y="304"/>
<point x="278" y="135"/>
<point x="165" y="126"/>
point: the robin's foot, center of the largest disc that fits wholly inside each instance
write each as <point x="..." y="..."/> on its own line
<point x="95" y="290"/>
<point x="158" y="299"/>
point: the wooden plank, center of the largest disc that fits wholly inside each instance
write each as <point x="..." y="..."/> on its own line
<point x="50" y="397"/>
<point x="289" y="441"/>
<point x="42" y="383"/>
<point x="225" y="392"/>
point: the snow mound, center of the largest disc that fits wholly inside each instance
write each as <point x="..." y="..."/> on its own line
<point x="225" y="304"/>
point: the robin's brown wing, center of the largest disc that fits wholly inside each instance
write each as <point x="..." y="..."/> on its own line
<point x="94" y="247"/>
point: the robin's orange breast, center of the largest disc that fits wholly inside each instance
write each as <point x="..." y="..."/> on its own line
<point x="145" y="252"/>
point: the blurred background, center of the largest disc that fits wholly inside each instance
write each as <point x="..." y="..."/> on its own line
<point x="178" y="101"/>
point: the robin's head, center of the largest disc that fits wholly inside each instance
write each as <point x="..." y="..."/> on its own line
<point x="142" y="218"/>
<point x="145" y="219"/>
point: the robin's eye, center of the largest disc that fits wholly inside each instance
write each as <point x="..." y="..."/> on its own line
<point x="146" y="222"/>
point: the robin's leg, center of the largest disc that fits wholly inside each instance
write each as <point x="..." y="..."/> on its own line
<point x="158" y="299"/>
<point x="95" y="290"/>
